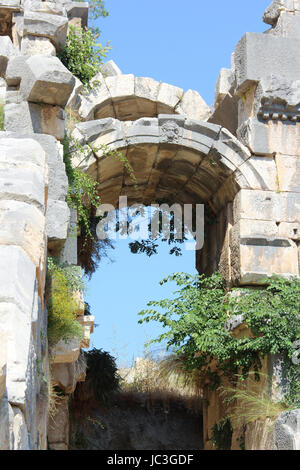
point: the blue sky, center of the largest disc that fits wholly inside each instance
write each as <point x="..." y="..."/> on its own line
<point x="184" y="44"/>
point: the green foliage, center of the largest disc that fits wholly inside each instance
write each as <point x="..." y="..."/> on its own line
<point x="102" y="379"/>
<point x="196" y="319"/>
<point x="62" y="306"/>
<point x="82" y="54"/>
<point x="1" y="117"/>
<point x="82" y="191"/>
<point x="97" y="9"/>
<point x="222" y="434"/>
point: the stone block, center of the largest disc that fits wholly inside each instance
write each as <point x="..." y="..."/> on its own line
<point x="110" y="69"/>
<point x="53" y="8"/>
<point x="66" y="352"/>
<point x="256" y="259"/>
<point x="265" y="167"/>
<point x="3" y="361"/>
<point x="58" y="426"/>
<point x="5" y="416"/>
<point x="13" y="5"/>
<point x="34" y="45"/>
<point x="18" y="429"/>
<point x="267" y="138"/>
<point x="58" y="180"/>
<point x="46" y="25"/>
<point x="267" y="205"/>
<point x="97" y="99"/>
<point x="168" y="98"/>
<point x="23" y="225"/>
<point x="288" y="169"/>
<point x="87" y="322"/>
<point x="120" y="86"/>
<point x="223" y="85"/>
<point x="66" y="376"/>
<point x="276" y="8"/>
<point x="258" y="55"/>
<point x="16" y="324"/>
<point x="14" y="70"/>
<point x="193" y="106"/>
<point x="6" y="51"/>
<point x="78" y="10"/>
<point x="69" y="252"/>
<point x="226" y="114"/>
<point x="287" y="26"/>
<point x="287" y="431"/>
<point x="74" y="101"/>
<point x="26" y="118"/>
<point x="22" y="171"/>
<point x="46" y="80"/>
<point x="57" y="223"/>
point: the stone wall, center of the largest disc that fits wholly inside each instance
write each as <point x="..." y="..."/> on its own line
<point x="34" y="215"/>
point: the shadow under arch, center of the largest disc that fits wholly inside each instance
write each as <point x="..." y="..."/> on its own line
<point x="175" y="158"/>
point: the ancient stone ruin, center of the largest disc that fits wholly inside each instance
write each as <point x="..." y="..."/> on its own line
<point x="241" y="160"/>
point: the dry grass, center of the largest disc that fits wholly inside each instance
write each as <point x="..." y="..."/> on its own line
<point x="250" y="402"/>
<point x="166" y="382"/>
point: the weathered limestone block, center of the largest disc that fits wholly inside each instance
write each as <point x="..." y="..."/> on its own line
<point x="23" y="225"/>
<point x="12" y="5"/>
<point x="14" y="69"/>
<point x="268" y="138"/>
<point x="22" y="171"/>
<point x="26" y="118"/>
<point x="74" y="100"/>
<point x="259" y="435"/>
<point x="66" y="352"/>
<point x="226" y="113"/>
<point x="6" y="51"/>
<point x="110" y="69"/>
<point x="66" y="376"/>
<point x="46" y="25"/>
<point x="3" y="361"/>
<point x="46" y="80"/>
<point x="267" y="205"/>
<point x="193" y="106"/>
<point x="98" y="97"/>
<point x="168" y="98"/>
<point x="258" y="55"/>
<point x="18" y="430"/>
<point x="69" y="252"/>
<point x="87" y="321"/>
<point x="288" y="170"/>
<point x="57" y="223"/>
<point x="58" y="427"/>
<point x="287" y="431"/>
<point x="5" y="418"/>
<point x="58" y="181"/>
<point x="277" y="98"/>
<point x="54" y="8"/>
<point x="78" y="10"/>
<point x="223" y="85"/>
<point x="34" y="45"/>
<point x="277" y="8"/>
<point x="287" y="26"/>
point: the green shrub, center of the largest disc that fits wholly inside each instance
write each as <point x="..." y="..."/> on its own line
<point x="102" y="379"/>
<point x="1" y="117"/>
<point x="82" y="54"/>
<point x="196" y="318"/>
<point x="62" y="307"/>
<point x="222" y="434"/>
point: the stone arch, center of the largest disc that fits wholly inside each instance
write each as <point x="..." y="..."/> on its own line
<point x="126" y="97"/>
<point x="180" y="160"/>
<point x="195" y="161"/>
